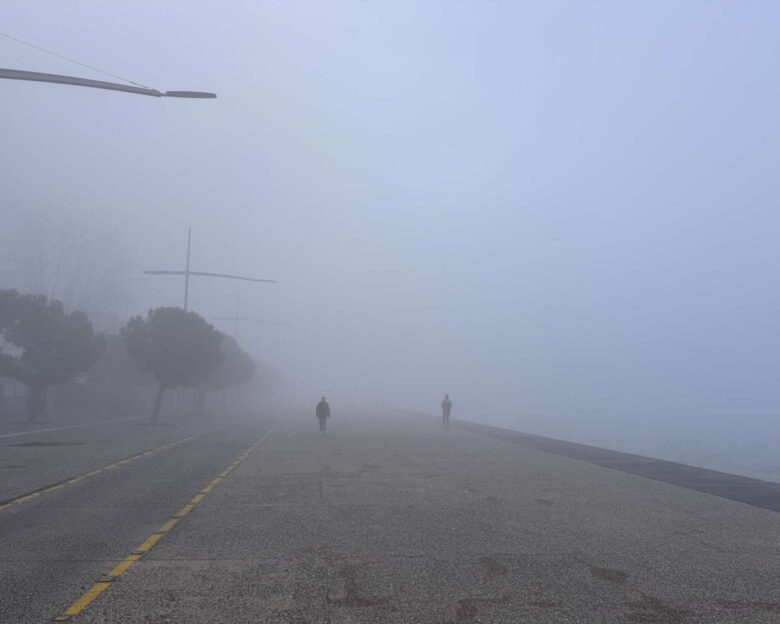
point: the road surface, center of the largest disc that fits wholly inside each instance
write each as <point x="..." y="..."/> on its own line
<point x="386" y="519"/>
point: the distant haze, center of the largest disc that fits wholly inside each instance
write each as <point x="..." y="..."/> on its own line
<point x="565" y="214"/>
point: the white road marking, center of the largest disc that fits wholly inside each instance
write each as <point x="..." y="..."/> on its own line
<point x="92" y="424"/>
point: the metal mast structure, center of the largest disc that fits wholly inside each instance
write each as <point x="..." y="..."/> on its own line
<point x="187" y="273"/>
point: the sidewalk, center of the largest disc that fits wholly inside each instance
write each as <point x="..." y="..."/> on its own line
<point x="394" y="520"/>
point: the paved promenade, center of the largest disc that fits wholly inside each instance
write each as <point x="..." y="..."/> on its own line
<point x="393" y="520"/>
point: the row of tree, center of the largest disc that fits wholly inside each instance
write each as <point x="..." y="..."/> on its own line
<point x="47" y="346"/>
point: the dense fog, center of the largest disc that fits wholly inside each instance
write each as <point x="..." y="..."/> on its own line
<point x="562" y="214"/>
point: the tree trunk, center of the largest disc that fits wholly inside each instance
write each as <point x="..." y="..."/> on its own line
<point x="158" y="403"/>
<point x="36" y="402"/>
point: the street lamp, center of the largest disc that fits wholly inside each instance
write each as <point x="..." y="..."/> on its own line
<point x="16" y="74"/>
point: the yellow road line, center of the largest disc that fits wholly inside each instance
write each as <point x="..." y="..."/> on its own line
<point x="124" y="565"/>
<point x="184" y="510"/>
<point x="82" y="602"/>
<point x="169" y="525"/>
<point x="98" y="588"/>
<point x="73" y="480"/>
<point x="149" y="543"/>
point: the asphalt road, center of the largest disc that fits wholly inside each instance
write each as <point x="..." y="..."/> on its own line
<point x="56" y="544"/>
<point x="31" y="459"/>
<point x="386" y="519"/>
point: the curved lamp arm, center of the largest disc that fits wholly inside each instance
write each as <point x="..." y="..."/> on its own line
<point x="15" y="74"/>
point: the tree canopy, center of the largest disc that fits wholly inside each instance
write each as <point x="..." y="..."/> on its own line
<point x="52" y="346"/>
<point x="237" y="366"/>
<point x="180" y="349"/>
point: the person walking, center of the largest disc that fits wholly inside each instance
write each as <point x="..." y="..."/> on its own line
<point x="446" y="409"/>
<point x="323" y="413"/>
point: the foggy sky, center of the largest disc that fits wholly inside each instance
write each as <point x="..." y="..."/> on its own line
<point x="559" y="213"/>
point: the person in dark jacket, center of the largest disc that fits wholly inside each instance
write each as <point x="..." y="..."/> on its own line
<point x="323" y="413"/>
<point x="446" y="408"/>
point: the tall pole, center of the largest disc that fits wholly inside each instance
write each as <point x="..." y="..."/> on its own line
<point x="235" y="326"/>
<point x="187" y="270"/>
<point x="186" y="301"/>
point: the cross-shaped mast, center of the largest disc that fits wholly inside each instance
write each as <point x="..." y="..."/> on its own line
<point x="187" y="273"/>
